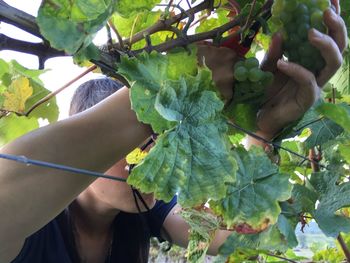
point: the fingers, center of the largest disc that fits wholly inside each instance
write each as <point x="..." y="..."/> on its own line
<point x="337" y="28"/>
<point x="308" y="91"/>
<point x="273" y="54"/>
<point x="336" y="5"/>
<point x="330" y="52"/>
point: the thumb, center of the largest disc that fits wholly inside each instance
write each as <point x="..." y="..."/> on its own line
<point x="274" y="53"/>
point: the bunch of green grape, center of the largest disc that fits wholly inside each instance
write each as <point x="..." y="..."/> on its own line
<point x="294" y="18"/>
<point x="251" y="81"/>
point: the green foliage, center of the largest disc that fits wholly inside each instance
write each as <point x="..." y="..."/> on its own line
<point x="339" y="113"/>
<point x="192" y="157"/>
<point x="251" y="203"/>
<point x="147" y="73"/>
<point x="20" y="89"/>
<point x="322" y="129"/>
<point x="71" y="25"/>
<point x="270" y="239"/>
<point x="333" y="195"/>
<point x="13" y="126"/>
<point x="124" y="8"/>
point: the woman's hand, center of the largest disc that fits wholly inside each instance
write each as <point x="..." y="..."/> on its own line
<point x="296" y="89"/>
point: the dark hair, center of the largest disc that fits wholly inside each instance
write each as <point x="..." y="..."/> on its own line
<point x="92" y="92"/>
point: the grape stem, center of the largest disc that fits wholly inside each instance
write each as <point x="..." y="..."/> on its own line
<point x="344" y="247"/>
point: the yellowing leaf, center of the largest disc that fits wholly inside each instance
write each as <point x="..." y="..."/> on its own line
<point x="136" y="156"/>
<point x="17" y="95"/>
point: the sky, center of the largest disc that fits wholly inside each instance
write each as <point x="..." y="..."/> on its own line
<point x="60" y="70"/>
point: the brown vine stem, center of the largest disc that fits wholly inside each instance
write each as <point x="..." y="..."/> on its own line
<point x="316" y="168"/>
<point x="250" y="14"/>
<point x="54" y="93"/>
<point x="344" y="247"/>
<point x="116" y="32"/>
<point x="314" y="165"/>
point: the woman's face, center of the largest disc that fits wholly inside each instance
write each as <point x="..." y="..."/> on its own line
<point x="117" y="194"/>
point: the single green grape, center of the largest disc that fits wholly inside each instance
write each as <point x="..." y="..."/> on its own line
<point x="255" y="74"/>
<point x="323" y="4"/>
<point x="238" y="64"/>
<point x="251" y="63"/>
<point x="302" y="9"/>
<point x="303" y="30"/>
<point x="290" y="5"/>
<point x="277" y="8"/>
<point x="267" y="79"/>
<point x="316" y="18"/>
<point x="240" y="73"/>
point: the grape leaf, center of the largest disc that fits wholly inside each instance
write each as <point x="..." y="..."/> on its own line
<point x="136" y="156"/>
<point x="203" y="226"/>
<point x="244" y="115"/>
<point x="286" y="225"/>
<point x="136" y="22"/>
<point x="270" y="239"/>
<point x="124" y="7"/>
<point x="4" y="67"/>
<point x="13" y="126"/>
<point x="147" y="73"/>
<point x="193" y="157"/>
<point x="71" y="25"/>
<point x="341" y="80"/>
<point x="339" y="113"/>
<point x="332" y="197"/>
<point x="322" y="129"/>
<point x="48" y="110"/>
<point x="211" y="23"/>
<point x="17" y="95"/>
<point x="251" y="203"/>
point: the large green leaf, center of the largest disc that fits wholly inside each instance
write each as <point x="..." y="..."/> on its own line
<point x="322" y="129"/>
<point x="146" y="74"/>
<point x="71" y="25"/>
<point x="333" y="195"/>
<point x="13" y="126"/>
<point x="339" y="113"/>
<point x="125" y="8"/>
<point x="251" y="203"/>
<point x="270" y="239"/>
<point x="193" y="158"/>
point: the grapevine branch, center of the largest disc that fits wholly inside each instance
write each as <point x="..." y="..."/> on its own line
<point x="39" y="49"/>
<point x="18" y="18"/>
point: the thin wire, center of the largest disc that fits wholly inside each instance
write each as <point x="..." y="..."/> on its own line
<point x="27" y="161"/>
<point x="255" y="136"/>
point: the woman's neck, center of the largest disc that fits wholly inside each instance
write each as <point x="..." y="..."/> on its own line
<point x="92" y="223"/>
<point x="92" y="216"/>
